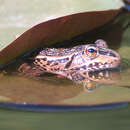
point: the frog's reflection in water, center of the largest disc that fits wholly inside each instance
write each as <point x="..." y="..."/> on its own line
<point x="99" y="79"/>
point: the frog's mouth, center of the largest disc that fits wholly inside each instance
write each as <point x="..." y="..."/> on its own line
<point x="97" y="66"/>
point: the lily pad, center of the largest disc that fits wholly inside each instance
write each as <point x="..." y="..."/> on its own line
<point x="59" y="20"/>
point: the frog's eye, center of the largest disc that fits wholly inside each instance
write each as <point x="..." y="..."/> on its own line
<point x="91" y="51"/>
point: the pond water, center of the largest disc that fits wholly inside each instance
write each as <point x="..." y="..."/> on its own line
<point x="113" y="89"/>
<point x="116" y="119"/>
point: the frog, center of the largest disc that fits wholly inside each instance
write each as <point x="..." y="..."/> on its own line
<point x="77" y="62"/>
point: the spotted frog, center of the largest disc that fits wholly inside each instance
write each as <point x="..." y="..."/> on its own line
<point x="75" y="63"/>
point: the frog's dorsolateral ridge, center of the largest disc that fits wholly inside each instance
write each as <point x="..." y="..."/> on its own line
<point x="74" y="63"/>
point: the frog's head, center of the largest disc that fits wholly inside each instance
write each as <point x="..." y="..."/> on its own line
<point x="99" y="57"/>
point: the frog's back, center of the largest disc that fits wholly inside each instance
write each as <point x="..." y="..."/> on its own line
<point x="60" y="52"/>
<point x="57" y="60"/>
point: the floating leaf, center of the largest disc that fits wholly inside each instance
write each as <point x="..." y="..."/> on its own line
<point x="62" y="20"/>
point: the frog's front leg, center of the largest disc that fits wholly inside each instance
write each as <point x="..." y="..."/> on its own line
<point x="76" y="76"/>
<point x="82" y="78"/>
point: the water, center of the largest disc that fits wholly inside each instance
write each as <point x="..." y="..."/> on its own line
<point x="116" y="119"/>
